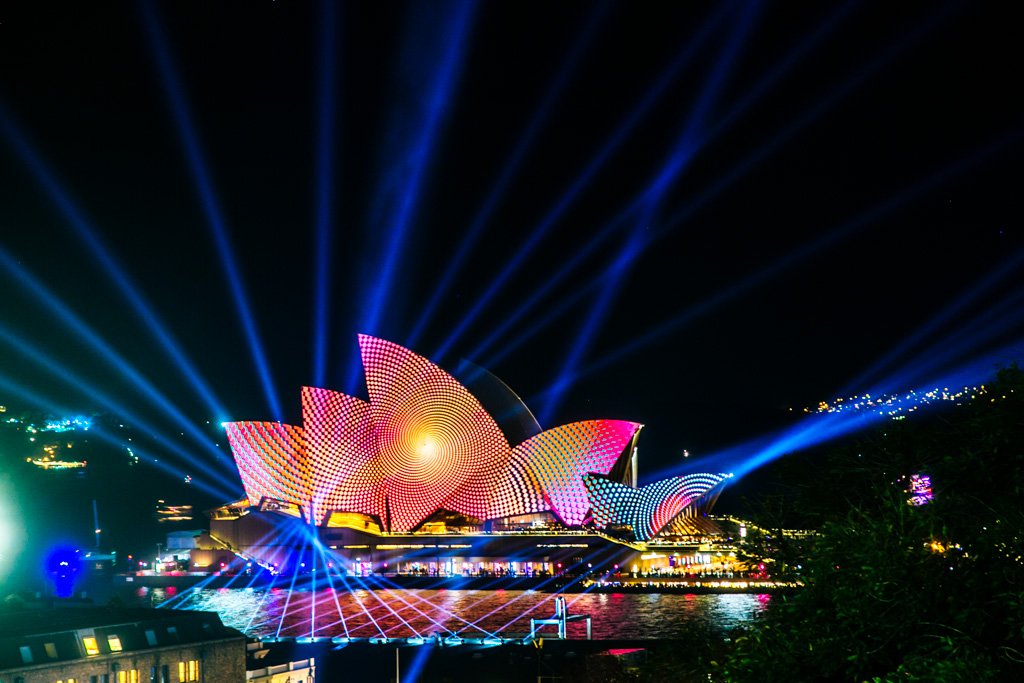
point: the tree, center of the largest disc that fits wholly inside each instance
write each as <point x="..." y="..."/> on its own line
<point x="901" y="592"/>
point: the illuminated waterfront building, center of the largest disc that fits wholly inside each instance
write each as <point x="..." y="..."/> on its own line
<point x="447" y="476"/>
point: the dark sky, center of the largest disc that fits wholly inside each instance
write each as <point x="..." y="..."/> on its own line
<point x="857" y="166"/>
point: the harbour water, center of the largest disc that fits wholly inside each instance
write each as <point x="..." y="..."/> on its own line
<point x="404" y="613"/>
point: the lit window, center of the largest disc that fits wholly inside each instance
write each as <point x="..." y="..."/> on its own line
<point x="122" y="677"/>
<point x="188" y="671"/>
<point x="133" y="676"/>
<point x="115" y="643"/>
<point x="91" y="648"/>
<point x="71" y="680"/>
<point x="51" y="650"/>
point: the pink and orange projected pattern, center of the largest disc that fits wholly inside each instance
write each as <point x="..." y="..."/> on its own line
<point x="422" y="443"/>
<point x="649" y="509"/>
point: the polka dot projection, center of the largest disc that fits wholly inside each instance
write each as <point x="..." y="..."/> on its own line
<point x="340" y="449"/>
<point x="271" y="461"/>
<point x="422" y="443"/>
<point x="649" y="509"/>
<point x="557" y="459"/>
<point x="437" y="446"/>
<point x="519" y="492"/>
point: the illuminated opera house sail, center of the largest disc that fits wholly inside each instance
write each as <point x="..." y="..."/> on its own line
<point x="424" y="447"/>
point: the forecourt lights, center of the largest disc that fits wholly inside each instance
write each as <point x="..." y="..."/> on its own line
<point x="423" y="476"/>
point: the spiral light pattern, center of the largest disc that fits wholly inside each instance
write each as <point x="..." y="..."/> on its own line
<point x="422" y="443"/>
<point x="646" y="510"/>
<point x="271" y="461"/>
<point x="558" y="457"/>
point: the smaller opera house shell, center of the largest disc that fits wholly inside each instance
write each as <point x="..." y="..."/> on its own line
<point x="390" y="482"/>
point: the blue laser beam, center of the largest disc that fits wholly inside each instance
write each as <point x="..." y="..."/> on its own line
<point x="211" y="206"/>
<point x="74" y="215"/>
<point x="829" y="239"/>
<point x="511" y="167"/>
<point x="999" y="320"/>
<point x="39" y="292"/>
<point x="737" y="171"/>
<point x="1011" y="266"/>
<point x="408" y="179"/>
<point x="821" y="429"/>
<point x="419" y="662"/>
<point x="324" y="153"/>
<point x="583" y="179"/>
<point x="685" y="148"/>
<point x="34" y="398"/>
<point x="334" y="593"/>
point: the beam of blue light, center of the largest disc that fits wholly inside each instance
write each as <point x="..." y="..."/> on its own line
<point x="178" y="601"/>
<point x="509" y="321"/>
<point x="523" y="145"/>
<point x="823" y="428"/>
<point x="579" y="255"/>
<point x="63" y="373"/>
<point x="780" y="70"/>
<point x="593" y="557"/>
<point x="76" y="218"/>
<point x="334" y="592"/>
<point x="389" y="608"/>
<point x="211" y="206"/>
<point x="589" y="329"/>
<point x="291" y="535"/>
<point x="190" y="591"/>
<point x="829" y="239"/>
<point x="959" y="360"/>
<point x="307" y="539"/>
<point x="584" y="178"/>
<point x="685" y="148"/>
<point x="409" y="605"/>
<point x="393" y="586"/>
<point x="419" y="662"/>
<point x="38" y="291"/>
<point x="37" y="399"/>
<point x="543" y="585"/>
<point x="811" y="115"/>
<point x="312" y="602"/>
<point x="324" y="153"/>
<point x="1009" y="267"/>
<point x="415" y="162"/>
<point x="362" y="606"/>
<point x="739" y="169"/>
<point x="998" y="321"/>
<point x="288" y="598"/>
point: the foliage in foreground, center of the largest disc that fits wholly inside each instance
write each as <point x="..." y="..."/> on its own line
<point x="896" y="592"/>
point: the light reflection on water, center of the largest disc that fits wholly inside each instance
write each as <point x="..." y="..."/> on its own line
<point x="470" y="613"/>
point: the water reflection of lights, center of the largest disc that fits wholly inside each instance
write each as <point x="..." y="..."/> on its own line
<point x="411" y="615"/>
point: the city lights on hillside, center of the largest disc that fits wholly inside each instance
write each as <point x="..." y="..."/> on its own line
<point x="897" y="406"/>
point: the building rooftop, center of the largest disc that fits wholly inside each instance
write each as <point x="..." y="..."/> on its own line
<point x="36" y="636"/>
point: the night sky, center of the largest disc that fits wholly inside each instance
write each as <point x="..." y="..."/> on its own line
<point x="738" y="207"/>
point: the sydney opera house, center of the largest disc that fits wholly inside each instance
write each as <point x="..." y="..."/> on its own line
<point x="447" y="473"/>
